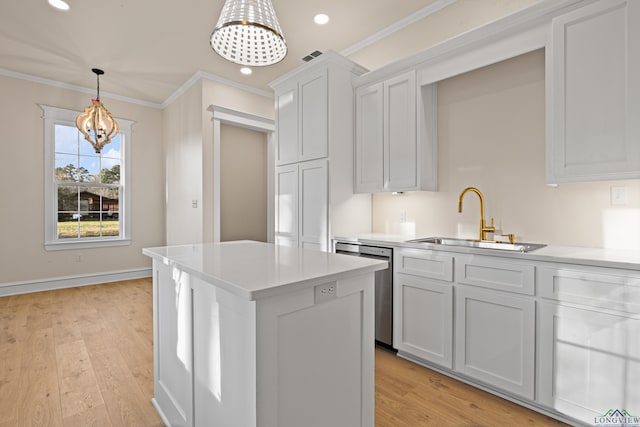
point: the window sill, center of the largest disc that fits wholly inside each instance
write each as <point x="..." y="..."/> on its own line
<point x="76" y="244"/>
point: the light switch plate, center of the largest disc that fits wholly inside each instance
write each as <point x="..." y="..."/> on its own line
<point x="618" y="196"/>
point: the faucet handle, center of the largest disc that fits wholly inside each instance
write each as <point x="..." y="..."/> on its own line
<point x="511" y="236"/>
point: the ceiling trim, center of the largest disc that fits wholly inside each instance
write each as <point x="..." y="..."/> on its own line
<point x="397" y="26"/>
<point x="216" y="78"/>
<point x="54" y="83"/>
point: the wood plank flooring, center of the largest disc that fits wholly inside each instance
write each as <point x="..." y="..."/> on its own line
<point x="83" y="357"/>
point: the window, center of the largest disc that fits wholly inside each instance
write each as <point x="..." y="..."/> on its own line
<point x="86" y="193"/>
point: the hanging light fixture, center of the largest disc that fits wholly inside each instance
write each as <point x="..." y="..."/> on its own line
<point x="248" y="33"/>
<point x="96" y="123"/>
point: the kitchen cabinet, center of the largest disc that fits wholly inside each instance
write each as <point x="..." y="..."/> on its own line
<point x="301" y="205"/>
<point x="495" y="338"/>
<point x="395" y="136"/>
<point x="423" y="306"/>
<point x="286" y="205"/>
<point x="593" y="93"/>
<point x="302" y="119"/>
<point x="314" y="155"/>
<point x="589" y="340"/>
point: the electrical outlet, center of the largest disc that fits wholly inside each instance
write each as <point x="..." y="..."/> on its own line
<point x="325" y="292"/>
<point x="618" y="196"/>
<point x="403" y="216"/>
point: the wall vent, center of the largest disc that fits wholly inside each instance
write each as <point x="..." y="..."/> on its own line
<point x="312" y="55"/>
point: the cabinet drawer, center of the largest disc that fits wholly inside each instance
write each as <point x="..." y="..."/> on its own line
<point x="597" y="287"/>
<point x="494" y="273"/>
<point x="424" y="263"/>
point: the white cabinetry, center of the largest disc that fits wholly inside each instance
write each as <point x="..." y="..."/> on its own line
<point x="423" y="305"/>
<point x="495" y="338"/>
<point x="301" y="205"/>
<point x="593" y="93"/>
<point x="314" y="121"/>
<point x="301" y="107"/>
<point x="395" y="146"/>
<point x="495" y="322"/>
<point x="589" y="354"/>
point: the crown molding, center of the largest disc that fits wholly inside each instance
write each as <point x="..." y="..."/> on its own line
<point x="76" y="88"/>
<point x="397" y="26"/>
<point x="203" y="75"/>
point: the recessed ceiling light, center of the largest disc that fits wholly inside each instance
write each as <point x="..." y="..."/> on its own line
<point x="321" y="19"/>
<point x="246" y="71"/>
<point x="59" y="4"/>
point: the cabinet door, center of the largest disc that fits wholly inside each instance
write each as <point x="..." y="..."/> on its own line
<point x="423" y="318"/>
<point x="313" y="205"/>
<point x="287" y="125"/>
<point x="369" y="139"/>
<point x="401" y="148"/>
<point x="313" y="116"/>
<point x="589" y="361"/>
<point x="286" y="205"/>
<point x="593" y="93"/>
<point x="495" y="337"/>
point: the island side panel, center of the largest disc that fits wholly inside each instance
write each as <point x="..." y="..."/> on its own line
<point x="172" y="345"/>
<point x="224" y="343"/>
<point x="316" y="357"/>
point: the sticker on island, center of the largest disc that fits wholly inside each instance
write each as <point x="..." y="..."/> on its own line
<point x="617" y="417"/>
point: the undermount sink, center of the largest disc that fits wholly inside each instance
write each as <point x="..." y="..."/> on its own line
<point x="513" y="247"/>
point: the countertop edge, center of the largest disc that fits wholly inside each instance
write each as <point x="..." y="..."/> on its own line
<point x="279" y="289"/>
<point x="551" y="253"/>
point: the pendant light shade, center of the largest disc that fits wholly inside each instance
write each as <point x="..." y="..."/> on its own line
<point x="248" y="33"/>
<point x="95" y="122"/>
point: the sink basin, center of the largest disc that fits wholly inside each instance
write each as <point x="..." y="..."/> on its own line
<point x="513" y="247"/>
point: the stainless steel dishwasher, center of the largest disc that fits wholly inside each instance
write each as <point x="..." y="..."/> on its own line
<point x="384" y="286"/>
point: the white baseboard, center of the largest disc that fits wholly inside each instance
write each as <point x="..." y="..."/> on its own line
<point x="26" y="287"/>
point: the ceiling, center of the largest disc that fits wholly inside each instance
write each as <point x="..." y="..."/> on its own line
<point x="149" y="48"/>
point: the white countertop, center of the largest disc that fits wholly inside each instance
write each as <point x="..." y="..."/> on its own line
<point x="598" y="257"/>
<point x="254" y="270"/>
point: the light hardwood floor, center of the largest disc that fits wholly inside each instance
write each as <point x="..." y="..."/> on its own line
<point x="83" y="357"/>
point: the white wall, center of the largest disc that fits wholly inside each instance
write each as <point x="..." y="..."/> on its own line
<point x="182" y="136"/>
<point x="188" y="143"/>
<point x="22" y="254"/>
<point x="491" y="132"/>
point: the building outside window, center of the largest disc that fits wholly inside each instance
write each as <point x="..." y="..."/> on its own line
<point x="86" y="193"/>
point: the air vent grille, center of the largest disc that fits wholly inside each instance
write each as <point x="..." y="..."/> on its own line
<point x="312" y="55"/>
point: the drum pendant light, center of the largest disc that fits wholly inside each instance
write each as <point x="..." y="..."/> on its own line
<point x="248" y="33"/>
<point x="95" y="122"/>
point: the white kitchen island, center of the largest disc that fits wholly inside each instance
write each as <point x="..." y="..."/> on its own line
<point x="252" y="334"/>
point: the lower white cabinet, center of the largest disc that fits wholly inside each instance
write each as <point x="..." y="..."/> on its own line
<point x="302" y="205"/>
<point x="495" y="338"/>
<point x="589" y="361"/>
<point x="423" y="318"/>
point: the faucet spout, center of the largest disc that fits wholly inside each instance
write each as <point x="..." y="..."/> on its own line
<point x="484" y="228"/>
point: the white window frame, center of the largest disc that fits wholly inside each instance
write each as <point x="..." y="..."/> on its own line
<point x="59" y="116"/>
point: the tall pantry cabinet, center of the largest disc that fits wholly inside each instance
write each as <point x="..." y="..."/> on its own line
<point x="314" y="155"/>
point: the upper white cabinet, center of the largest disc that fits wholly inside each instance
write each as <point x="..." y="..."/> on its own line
<point x="593" y="93"/>
<point x="395" y="136"/>
<point x="302" y="119"/>
<point x="314" y="155"/>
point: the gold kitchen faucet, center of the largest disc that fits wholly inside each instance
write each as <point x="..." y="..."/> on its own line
<point x="484" y="228"/>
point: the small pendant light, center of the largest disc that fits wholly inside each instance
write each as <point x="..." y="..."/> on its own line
<point x="96" y="123"/>
<point x="248" y="33"/>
